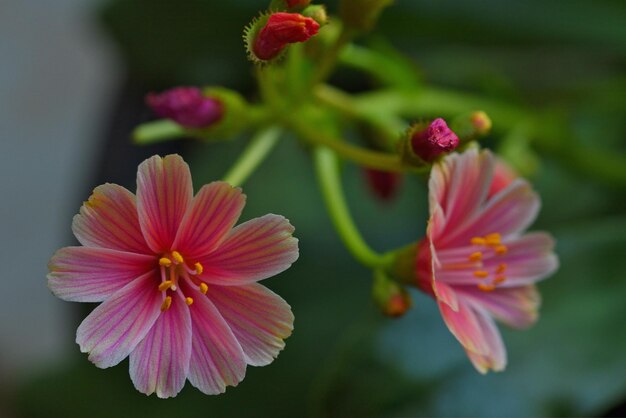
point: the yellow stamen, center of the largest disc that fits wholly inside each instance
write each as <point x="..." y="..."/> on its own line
<point x="177" y="257"/>
<point x="166" y="285"/>
<point x="204" y="288"/>
<point x="199" y="268"/>
<point x="188" y="301"/>
<point x="499" y="279"/>
<point x="165" y="262"/>
<point x="481" y="274"/>
<point x="486" y="287"/>
<point x="501" y="249"/>
<point x="493" y="239"/>
<point x="476" y="256"/>
<point x="501" y="268"/>
<point x="478" y="241"/>
<point x="166" y="303"/>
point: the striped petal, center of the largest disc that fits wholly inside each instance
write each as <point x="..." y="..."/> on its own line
<point x="160" y="363"/>
<point x="164" y="192"/>
<point x="114" y="328"/>
<point x="495" y="358"/>
<point x="217" y="359"/>
<point x="465" y="326"/>
<point x="82" y="274"/>
<point x="109" y="220"/>
<point x="259" y="318"/>
<point x="515" y="306"/>
<point x="213" y="213"/>
<point x="254" y="250"/>
<point x="529" y="259"/>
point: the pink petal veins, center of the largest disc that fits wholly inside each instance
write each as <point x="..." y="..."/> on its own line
<point x="164" y="192"/>
<point x="255" y="250"/>
<point x="108" y="219"/>
<point x="83" y="274"/>
<point x="115" y="327"/>
<point x="160" y="363"/>
<point x="259" y="318"/>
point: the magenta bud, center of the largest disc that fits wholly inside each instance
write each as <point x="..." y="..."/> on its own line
<point x="186" y="106"/>
<point x="434" y="140"/>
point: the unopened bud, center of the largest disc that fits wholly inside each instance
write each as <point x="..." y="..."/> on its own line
<point x="186" y="106"/>
<point x="471" y="126"/>
<point x="427" y="142"/>
<point x="269" y="35"/>
<point x="316" y="12"/>
<point x="392" y="299"/>
<point x="383" y="184"/>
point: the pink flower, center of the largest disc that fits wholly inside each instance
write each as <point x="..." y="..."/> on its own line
<point x="476" y="260"/>
<point x="177" y="281"/>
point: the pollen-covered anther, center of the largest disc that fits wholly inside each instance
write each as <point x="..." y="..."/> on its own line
<point x="493" y="239"/>
<point x="188" y="301"/>
<point x="167" y="302"/>
<point x="478" y="241"/>
<point x="178" y="259"/>
<point x="501" y="268"/>
<point x="475" y="256"/>
<point x="486" y="287"/>
<point x="165" y="262"/>
<point x="166" y="285"/>
<point x="500" y="249"/>
<point x="204" y="288"/>
<point x="499" y="279"/>
<point x="199" y="268"/>
<point x="481" y="274"/>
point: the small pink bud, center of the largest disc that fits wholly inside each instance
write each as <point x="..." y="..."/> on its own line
<point x="186" y="106"/>
<point x="433" y="141"/>
<point x="383" y="184"/>
<point x="282" y="29"/>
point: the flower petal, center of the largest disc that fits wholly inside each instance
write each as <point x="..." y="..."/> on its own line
<point x="460" y="188"/>
<point x="515" y="306"/>
<point x="217" y="359"/>
<point x="495" y="359"/>
<point x="160" y="363"/>
<point x="164" y="192"/>
<point x="508" y="213"/>
<point x="259" y="318"/>
<point x="82" y="274"/>
<point x="213" y="213"/>
<point x="115" y="327"/>
<point x="529" y="259"/>
<point x="465" y="326"/>
<point x="255" y="250"/>
<point x="109" y="220"/>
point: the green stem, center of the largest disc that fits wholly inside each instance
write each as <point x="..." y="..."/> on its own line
<point x="329" y="59"/>
<point x="157" y="131"/>
<point x="371" y="159"/>
<point x="254" y="154"/>
<point x="327" y="170"/>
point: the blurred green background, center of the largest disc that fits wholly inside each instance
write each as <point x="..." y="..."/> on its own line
<point x="344" y="359"/>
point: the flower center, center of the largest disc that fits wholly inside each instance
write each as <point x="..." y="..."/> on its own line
<point x="173" y="269"/>
<point x="489" y="278"/>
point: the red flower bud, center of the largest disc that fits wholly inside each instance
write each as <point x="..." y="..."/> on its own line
<point x="433" y="141"/>
<point x="383" y="184"/>
<point x="186" y="106"/>
<point x="282" y="29"/>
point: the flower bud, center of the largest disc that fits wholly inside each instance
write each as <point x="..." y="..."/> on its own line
<point x="392" y="299"/>
<point x="316" y="12"/>
<point x="429" y="142"/>
<point x="186" y="106"/>
<point x="269" y="35"/>
<point x="383" y="184"/>
<point x="471" y="126"/>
